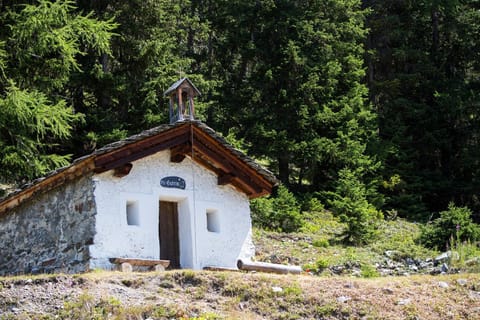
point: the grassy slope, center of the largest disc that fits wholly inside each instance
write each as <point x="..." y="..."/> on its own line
<point x="236" y="295"/>
<point x="317" y="243"/>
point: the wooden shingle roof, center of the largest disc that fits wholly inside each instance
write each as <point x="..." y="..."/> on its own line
<point x="178" y="83"/>
<point x="187" y="138"/>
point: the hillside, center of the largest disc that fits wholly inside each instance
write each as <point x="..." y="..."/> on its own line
<point x="341" y="282"/>
<point x="236" y="295"/>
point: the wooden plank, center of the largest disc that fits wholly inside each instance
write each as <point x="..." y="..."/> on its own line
<point x="213" y="156"/>
<point x="233" y="180"/>
<point x="218" y="159"/>
<point x="236" y="182"/>
<point x="211" y="141"/>
<point x="254" y="189"/>
<point x="177" y="157"/>
<point x="201" y="160"/>
<point x="240" y="186"/>
<point x="140" y="262"/>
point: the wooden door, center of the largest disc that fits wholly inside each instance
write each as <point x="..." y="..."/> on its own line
<point x="168" y="233"/>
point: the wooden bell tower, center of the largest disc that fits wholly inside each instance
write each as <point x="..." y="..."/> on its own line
<point x="181" y="95"/>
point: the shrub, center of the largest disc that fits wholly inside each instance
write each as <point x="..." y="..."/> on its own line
<point x="318" y="266"/>
<point x="322" y="263"/>
<point x="456" y="223"/>
<point x="351" y="205"/>
<point x="400" y="237"/>
<point x="368" y="271"/>
<point x="311" y="203"/>
<point x="321" y="243"/>
<point x="467" y="257"/>
<point x="280" y="213"/>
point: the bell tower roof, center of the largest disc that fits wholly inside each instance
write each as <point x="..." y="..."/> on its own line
<point x="183" y="83"/>
<point x="181" y="105"/>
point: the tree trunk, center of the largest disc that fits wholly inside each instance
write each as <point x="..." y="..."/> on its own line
<point x="283" y="170"/>
<point x="435" y="32"/>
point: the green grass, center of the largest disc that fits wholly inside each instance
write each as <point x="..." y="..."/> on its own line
<point x="317" y="245"/>
<point x="401" y="236"/>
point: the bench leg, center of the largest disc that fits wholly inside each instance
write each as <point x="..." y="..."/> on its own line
<point x="159" y="268"/>
<point x="126" y="267"/>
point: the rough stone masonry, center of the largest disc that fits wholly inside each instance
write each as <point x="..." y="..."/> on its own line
<point x="51" y="233"/>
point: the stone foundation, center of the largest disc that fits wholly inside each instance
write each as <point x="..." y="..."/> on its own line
<point x="51" y="233"/>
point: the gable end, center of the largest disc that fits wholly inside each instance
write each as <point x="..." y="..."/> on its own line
<point x="184" y="139"/>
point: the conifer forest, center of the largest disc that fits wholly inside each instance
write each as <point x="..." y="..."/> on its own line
<point x="370" y="108"/>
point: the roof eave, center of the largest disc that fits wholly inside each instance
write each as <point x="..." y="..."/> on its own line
<point x="79" y="168"/>
<point x="257" y="182"/>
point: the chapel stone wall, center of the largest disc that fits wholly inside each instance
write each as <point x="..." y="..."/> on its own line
<point x="50" y="233"/>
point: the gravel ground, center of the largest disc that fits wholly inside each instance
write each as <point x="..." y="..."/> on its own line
<point x="236" y="295"/>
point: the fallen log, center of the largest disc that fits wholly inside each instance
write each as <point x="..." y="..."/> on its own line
<point x="267" y="267"/>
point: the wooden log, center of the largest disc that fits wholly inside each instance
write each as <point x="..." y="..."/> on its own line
<point x="267" y="267"/>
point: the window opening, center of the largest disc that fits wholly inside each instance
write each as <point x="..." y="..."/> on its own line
<point x="133" y="213"/>
<point x="213" y="221"/>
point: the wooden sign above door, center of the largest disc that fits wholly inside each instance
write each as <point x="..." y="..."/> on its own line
<point x="173" y="182"/>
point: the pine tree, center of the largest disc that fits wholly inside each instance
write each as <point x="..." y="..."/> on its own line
<point x="38" y="56"/>
<point x="424" y="82"/>
<point x="124" y="94"/>
<point x="350" y="203"/>
<point x="292" y="75"/>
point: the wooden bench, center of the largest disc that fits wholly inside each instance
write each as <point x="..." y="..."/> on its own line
<point x="126" y="264"/>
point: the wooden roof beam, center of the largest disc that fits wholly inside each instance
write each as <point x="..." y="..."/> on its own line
<point x="226" y="166"/>
<point x="208" y="165"/>
<point x="140" y="145"/>
<point x="225" y="178"/>
<point x="123" y="170"/>
<point x="228" y="178"/>
<point x="126" y="154"/>
<point x="205" y="139"/>
<point x="252" y="190"/>
<point x="178" y="153"/>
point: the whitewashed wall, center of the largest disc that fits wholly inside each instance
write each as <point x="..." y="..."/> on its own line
<point x="198" y="246"/>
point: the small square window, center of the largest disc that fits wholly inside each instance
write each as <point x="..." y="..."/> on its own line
<point x="133" y="213"/>
<point x="213" y="221"/>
